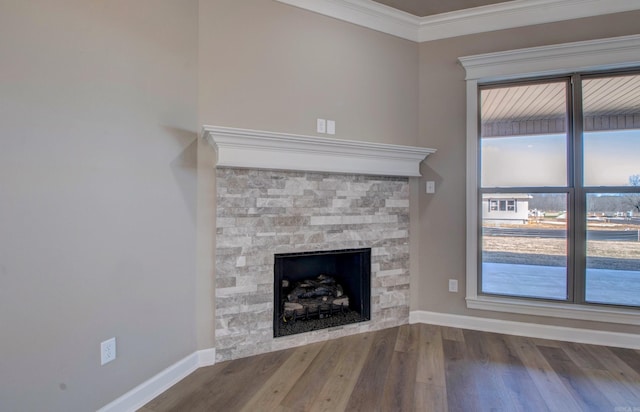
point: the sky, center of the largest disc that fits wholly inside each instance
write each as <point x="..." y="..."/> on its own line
<point x="540" y="160"/>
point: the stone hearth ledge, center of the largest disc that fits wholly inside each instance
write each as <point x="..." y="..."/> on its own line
<point x="255" y="149"/>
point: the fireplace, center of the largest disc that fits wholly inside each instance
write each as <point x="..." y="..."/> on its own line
<point x="293" y="196"/>
<point x="321" y="289"/>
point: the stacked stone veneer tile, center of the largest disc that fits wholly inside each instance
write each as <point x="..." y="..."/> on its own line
<point x="260" y="213"/>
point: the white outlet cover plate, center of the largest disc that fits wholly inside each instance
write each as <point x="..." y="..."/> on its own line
<point x="107" y="351"/>
<point x="453" y="285"/>
<point x="321" y="126"/>
<point x="331" y="127"/>
<point x="431" y="186"/>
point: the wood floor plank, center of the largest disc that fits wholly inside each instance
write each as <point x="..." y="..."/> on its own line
<point x="273" y="391"/>
<point x="581" y="356"/>
<point x="576" y="380"/>
<point x="430" y="390"/>
<point x="305" y="390"/>
<point x="430" y="356"/>
<point x="368" y="390"/>
<point x="233" y="386"/>
<point x="629" y="356"/>
<point x="622" y="369"/>
<point x="546" y="342"/>
<point x="556" y="396"/>
<point x="248" y="380"/>
<point x="335" y="394"/>
<point x="190" y="387"/>
<point x="613" y="389"/>
<point x="454" y="334"/>
<point x="506" y="362"/>
<point x="490" y="390"/>
<point x="401" y="378"/>
<point x="617" y="380"/>
<point x="460" y="372"/>
<point x="404" y="340"/>
<point x="416" y="368"/>
<point x="429" y="397"/>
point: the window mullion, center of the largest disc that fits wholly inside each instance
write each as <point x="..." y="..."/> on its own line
<point x="578" y="227"/>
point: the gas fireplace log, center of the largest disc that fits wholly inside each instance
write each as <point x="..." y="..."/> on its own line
<point x="322" y="286"/>
<point x="289" y="306"/>
<point x="326" y="303"/>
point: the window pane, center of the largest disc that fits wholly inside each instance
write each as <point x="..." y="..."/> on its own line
<point x="524" y="251"/>
<point x="613" y="248"/>
<point x="611" y="108"/>
<point x="524" y="136"/>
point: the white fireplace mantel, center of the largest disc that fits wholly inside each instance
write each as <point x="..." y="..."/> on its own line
<point x="254" y="149"/>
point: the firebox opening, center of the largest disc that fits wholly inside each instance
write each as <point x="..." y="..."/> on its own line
<point x="322" y="289"/>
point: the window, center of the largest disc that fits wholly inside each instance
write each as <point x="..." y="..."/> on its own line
<point x="502" y="205"/>
<point x="524" y="153"/>
<point x="550" y="150"/>
<point x="526" y="130"/>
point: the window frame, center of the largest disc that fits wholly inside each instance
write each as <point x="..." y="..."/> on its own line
<point x="537" y="62"/>
<point x="568" y="188"/>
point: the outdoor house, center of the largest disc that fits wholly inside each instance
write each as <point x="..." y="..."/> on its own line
<point x="508" y="208"/>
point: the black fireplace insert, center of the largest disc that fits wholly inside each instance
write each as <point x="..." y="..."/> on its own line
<point x="321" y="289"/>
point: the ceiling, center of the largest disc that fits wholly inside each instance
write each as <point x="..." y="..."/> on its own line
<point x="423" y="8"/>
<point x="427" y="20"/>
<point x="609" y="103"/>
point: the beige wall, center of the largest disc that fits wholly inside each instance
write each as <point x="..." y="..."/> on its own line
<point x="442" y="125"/>
<point x="271" y="66"/>
<point x="98" y="122"/>
<point x="99" y="109"/>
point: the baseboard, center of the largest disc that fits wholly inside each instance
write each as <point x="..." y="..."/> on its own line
<point x="146" y="391"/>
<point x="533" y="330"/>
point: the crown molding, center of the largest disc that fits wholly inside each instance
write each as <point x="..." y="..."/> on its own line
<point x="516" y="13"/>
<point x="600" y="54"/>
<point x="482" y="19"/>
<point x="255" y="149"/>
<point x="366" y="13"/>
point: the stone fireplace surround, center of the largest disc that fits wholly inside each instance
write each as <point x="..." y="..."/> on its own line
<point x="297" y="205"/>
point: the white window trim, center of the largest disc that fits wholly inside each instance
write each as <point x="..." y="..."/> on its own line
<point x="603" y="54"/>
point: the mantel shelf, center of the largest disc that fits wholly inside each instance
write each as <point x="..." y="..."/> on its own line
<point x="254" y="149"/>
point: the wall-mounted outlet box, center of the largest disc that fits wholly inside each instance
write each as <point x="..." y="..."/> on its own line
<point x="453" y="285"/>
<point x="431" y="187"/>
<point x="331" y="127"/>
<point x="321" y="126"/>
<point x="107" y="351"/>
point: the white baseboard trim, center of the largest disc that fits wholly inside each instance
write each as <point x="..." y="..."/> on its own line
<point x="146" y="391"/>
<point x="533" y="330"/>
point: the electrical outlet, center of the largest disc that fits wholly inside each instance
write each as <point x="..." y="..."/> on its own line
<point x="321" y="126"/>
<point x="331" y="127"/>
<point x="107" y="351"/>
<point x="453" y="285"/>
<point x="431" y="186"/>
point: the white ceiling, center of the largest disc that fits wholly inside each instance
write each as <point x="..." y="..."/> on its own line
<point x="422" y="8"/>
<point x="457" y="17"/>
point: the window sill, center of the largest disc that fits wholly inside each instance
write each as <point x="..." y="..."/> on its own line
<point x="555" y="310"/>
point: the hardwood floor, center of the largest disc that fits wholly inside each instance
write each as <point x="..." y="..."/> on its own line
<point x="417" y="368"/>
